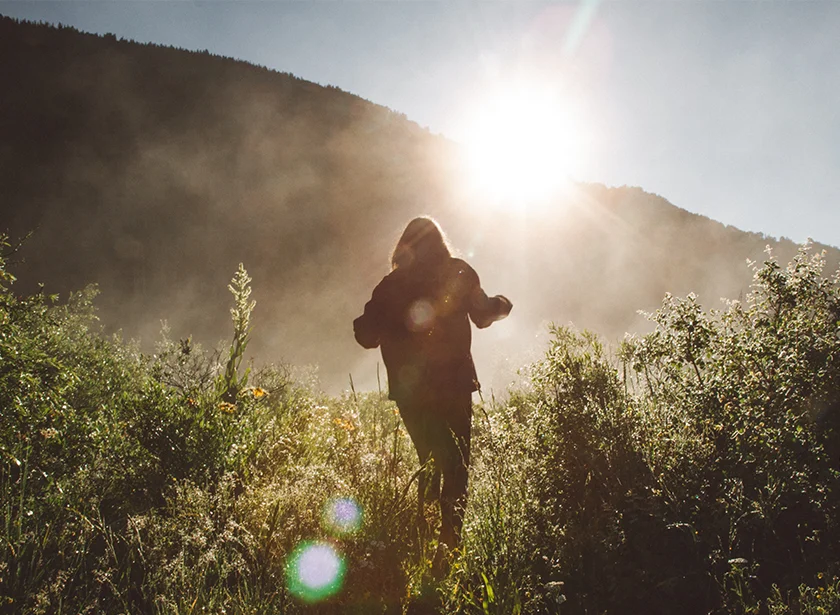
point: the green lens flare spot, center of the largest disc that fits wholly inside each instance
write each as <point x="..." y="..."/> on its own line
<point x="315" y="571"/>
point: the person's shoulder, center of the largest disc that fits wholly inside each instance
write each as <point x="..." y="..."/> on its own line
<point x="459" y="264"/>
<point x="391" y="280"/>
<point x="462" y="268"/>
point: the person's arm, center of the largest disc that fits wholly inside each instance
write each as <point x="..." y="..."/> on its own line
<point x="367" y="327"/>
<point x="484" y="310"/>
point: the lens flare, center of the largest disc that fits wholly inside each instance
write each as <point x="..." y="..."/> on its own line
<point x="315" y="571"/>
<point x="343" y="515"/>
<point x="421" y="316"/>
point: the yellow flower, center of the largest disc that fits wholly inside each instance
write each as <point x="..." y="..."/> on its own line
<point x="258" y="392"/>
<point x="227" y="407"/>
<point x="344" y="424"/>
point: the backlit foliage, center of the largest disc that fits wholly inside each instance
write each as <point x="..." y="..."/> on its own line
<point x="695" y="470"/>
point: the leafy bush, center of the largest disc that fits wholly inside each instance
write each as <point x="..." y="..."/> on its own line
<point x="757" y="388"/>
<point x="165" y="483"/>
<point x="697" y="471"/>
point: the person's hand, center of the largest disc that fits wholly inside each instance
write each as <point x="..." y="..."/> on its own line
<point x="505" y="306"/>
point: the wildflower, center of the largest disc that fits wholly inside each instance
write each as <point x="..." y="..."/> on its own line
<point x="227" y="407"/>
<point x="255" y="392"/>
<point x="49" y="432"/>
<point x="344" y="424"/>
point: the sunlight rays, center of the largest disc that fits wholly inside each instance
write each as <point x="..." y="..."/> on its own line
<point x="521" y="145"/>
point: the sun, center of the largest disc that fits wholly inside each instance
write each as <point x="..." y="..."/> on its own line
<point x="522" y="144"/>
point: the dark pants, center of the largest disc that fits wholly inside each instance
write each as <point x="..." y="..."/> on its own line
<point x="439" y="426"/>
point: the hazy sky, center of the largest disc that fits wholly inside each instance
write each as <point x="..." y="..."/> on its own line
<point x="728" y="109"/>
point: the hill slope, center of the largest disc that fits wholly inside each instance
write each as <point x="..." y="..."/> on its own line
<point x="154" y="171"/>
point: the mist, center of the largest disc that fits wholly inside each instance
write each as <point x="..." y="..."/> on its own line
<point x="153" y="172"/>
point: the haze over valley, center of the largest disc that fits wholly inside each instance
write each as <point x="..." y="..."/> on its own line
<point x="154" y="171"/>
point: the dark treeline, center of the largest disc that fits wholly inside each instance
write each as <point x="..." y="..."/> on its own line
<point x="153" y="171"/>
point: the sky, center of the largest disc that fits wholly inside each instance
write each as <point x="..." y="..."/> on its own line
<point x="726" y="109"/>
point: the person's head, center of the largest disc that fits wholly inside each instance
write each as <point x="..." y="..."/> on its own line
<point x="422" y="242"/>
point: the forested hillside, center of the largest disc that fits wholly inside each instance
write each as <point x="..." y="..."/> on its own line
<point x="153" y="171"/>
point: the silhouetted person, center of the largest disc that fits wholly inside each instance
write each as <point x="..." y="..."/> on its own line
<point x="419" y="316"/>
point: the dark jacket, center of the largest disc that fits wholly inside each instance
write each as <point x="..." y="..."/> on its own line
<point x="419" y="317"/>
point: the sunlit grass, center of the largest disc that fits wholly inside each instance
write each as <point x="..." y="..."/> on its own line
<point x="127" y="485"/>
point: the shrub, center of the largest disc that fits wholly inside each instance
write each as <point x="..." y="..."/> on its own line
<point x="695" y="472"/>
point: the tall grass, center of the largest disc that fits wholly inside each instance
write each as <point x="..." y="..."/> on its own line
<point x="694" y="470"/>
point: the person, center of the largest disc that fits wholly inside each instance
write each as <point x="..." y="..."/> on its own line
<point x="419" y="317"/>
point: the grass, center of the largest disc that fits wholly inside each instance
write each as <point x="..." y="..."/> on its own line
<point x="692" y="470"/>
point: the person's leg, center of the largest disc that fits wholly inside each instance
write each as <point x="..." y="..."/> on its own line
<point x="415" y="418"/>
<point x="453" y="449"/>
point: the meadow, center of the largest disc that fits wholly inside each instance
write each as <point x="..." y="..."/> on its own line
<point x="692" y="470"/>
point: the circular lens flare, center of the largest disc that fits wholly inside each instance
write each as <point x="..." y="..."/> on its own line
<point x="343" y="515"/>
<point x="315" y="571"/>
<point x="421" y="316"/>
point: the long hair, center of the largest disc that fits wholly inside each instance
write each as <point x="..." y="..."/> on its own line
<point x="422" y="243"/>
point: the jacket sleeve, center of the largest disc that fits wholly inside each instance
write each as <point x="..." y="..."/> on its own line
<point x="484" y="310"/>
<point x="368" y="327"/>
